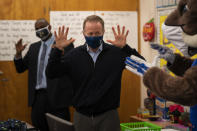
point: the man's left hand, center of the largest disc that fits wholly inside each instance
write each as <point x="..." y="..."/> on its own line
<point x="120" y="37"/>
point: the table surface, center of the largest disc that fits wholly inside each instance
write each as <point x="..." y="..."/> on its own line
<point x="162" y="123"/>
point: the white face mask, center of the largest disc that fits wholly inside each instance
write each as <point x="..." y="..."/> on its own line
<point x="43" y="33"/>
<point x="174" y="35"/>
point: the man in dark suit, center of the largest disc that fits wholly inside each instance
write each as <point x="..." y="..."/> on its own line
<point x="44" y="95"/>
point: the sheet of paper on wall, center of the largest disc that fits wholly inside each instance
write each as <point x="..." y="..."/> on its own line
<point x="159" y="20"/>
<point x="10" y="32"/>
<point x="165" y="3"/>
<point x="74" y="20"/>
<point x="123" y="18"/>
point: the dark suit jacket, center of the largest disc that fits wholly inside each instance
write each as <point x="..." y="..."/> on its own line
<point x="59" y="90"/>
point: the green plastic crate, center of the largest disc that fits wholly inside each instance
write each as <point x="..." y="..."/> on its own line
<point x="139" y="126"/>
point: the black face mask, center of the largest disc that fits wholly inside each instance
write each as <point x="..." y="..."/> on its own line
<point x="94" y="41"/>
<point x="43" y="33"/>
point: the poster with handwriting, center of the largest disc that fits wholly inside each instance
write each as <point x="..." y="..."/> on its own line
<point x="10" y="32"/>
<point x="74" y="20"/>
<point x="160" y="13"/>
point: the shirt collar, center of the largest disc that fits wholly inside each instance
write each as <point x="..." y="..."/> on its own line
<point x="50" y="41"/>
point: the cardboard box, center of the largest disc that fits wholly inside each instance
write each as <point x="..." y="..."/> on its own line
<point x="162" y="107"/>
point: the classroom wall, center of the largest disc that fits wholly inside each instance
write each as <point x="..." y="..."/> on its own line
<point x="147" y="11"/>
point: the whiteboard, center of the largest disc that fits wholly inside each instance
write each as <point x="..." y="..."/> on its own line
<point x="74" y="20"/>
<point x="10" y="32"/>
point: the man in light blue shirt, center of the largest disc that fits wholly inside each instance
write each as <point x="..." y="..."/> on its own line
<point x="48" y="45"/>
<point x="44" y="95"/>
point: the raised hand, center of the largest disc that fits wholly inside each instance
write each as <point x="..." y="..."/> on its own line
<point x="120" y="37"/>
<point x="61" y="38"/>
<point x="19" y="48"/>
<point x="164" y="52"/>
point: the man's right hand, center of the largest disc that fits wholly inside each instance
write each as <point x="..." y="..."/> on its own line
<point x="61" y="38"/>
<point x="19" y="48"/>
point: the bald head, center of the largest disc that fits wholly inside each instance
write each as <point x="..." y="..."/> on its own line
<point x="43" y="29"/>
<point x="41" y="23"/>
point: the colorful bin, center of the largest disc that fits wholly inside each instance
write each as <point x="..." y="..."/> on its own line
<point x="139" y="126"/>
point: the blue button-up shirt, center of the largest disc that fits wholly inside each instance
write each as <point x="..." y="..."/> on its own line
<point x="49" y="43"/>
<point x="94" y="55"/>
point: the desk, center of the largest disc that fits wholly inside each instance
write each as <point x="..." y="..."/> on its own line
<point x="161" y="123"/>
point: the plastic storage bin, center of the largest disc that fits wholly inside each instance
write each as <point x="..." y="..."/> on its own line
<point x="139" y="126"/>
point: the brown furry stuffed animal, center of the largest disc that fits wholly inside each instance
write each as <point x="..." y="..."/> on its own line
<point x="182" y="88"/>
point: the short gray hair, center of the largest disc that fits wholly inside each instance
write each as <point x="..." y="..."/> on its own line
<point x="93" y="18"/>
